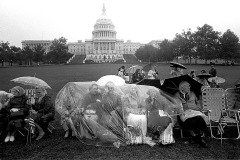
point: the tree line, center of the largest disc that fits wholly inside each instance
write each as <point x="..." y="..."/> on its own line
<point x="205" y="44"/>
<point x="58" y="53"/>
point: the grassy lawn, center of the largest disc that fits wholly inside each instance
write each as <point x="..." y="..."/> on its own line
<point x="53" y="146"/>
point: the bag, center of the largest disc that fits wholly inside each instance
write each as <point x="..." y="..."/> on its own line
<point x="16" y="115"/>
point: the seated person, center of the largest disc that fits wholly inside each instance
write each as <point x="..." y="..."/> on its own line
<point x="4" y="100"/>
<point x="89" y="99"/>
<point x="152" y="73"/>
<point x="190" y="117"/>
<point x="42" y="111"/>
<point x="135" y="114"/>
<point x="17" y="109"/>
<point x="176" y="71"/>
<point x="121" y="72"/>
<point x="137" y="76"/>
<point x="158" y="116"/>
<point x="192" y="74"/>
<point x="112" y="103"/>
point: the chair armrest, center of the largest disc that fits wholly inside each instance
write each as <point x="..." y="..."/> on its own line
<point x="233" y="110"/>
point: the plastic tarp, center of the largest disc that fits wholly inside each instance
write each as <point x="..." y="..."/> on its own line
<point x="105" y="122"/>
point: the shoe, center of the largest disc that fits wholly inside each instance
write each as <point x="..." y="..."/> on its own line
<point x="40" y="136"/>
<point x="12" y="138"/>
<point x="66" y="134"/>
<point x="7" y="139"/>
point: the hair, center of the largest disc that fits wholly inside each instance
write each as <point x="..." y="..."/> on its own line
<point x="19" y="89"/>
<point x="92" y="85"/>
<point x="181" y="84"/>
<point x="42" y="90"/>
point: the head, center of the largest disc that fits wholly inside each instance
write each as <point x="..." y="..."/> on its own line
<point x="184" y="87"/>
<point x="40" y="92"/>
<point x="17" y="91"/>
<point x="133" y="89"/>
<point x="137" y="71"/>
<point x="110" y="86"/>
<point x="212" y="66"/>
<point x="122" y="68"/>
<point x="152" y="93"/>
<point x="93" y="89"/>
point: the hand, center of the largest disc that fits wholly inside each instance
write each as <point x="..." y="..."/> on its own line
<point x="14" y="110"/>
<point x="32" y="101"/>
<point x="33" y="111"/>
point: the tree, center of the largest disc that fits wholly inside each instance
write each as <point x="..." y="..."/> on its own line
<point x="28" y="54"/>
<point x="229" y="46"/>
<point x="59" y="51"/>
<point x="207" y="42"/>
<point x="4" y="52"/>
<point x="38" y="53"/>
<point x="184" y="45"/>
<point x="147" y="53"/>
<point x="167" y="50"/>
<point x="14" y="54"/>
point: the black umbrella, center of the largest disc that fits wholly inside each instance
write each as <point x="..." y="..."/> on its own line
<point x="175" y="64"/>
<point x="171" y="85"/>
<point x="150" y="82"/>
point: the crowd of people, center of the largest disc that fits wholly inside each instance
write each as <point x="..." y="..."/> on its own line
<point x="122" y="115"/>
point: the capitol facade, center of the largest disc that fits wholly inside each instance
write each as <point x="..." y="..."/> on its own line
<point x="104" y="45"/>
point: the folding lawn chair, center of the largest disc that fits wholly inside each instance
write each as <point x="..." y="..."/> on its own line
<point x="214" y="100"/>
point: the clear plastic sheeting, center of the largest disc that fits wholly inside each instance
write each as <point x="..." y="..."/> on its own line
<point x="118" y="118"/>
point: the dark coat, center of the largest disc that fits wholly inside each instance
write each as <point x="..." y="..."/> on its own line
<point x="45" y="106"/>
<point x="19" y="102"/>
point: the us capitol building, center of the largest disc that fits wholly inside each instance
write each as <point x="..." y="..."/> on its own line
<point x="103" y="47"/>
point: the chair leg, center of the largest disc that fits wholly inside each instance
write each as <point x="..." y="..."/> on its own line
<point x="21" y="133"/>
<point x="50" y="128"/>
<point x="181" y="133"/>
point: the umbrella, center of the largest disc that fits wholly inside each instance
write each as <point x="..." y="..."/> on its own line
<point x="150" y="82"/>
<point x="175" y="64"/>
<point x="217" y="79"/>
<point x="133" y="69"/>
<point x="149" y="67"/>
<point x="118" y="81"/>
<point x="31" y="81"/>
<point x="204" y="76"/>
<point x="171" y="85"/>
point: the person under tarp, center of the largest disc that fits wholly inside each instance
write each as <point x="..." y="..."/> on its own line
<point x="104" y="122"/>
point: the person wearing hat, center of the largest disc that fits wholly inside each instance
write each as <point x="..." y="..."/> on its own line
<point x="176" y="71"/>
<point x="17" y="109"/>
<point x="190" y="117"/>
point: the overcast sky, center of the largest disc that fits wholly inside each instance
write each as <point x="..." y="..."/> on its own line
<point x="135" y="20"/>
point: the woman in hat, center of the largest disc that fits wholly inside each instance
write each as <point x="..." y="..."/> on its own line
<point x="17" y="109"/>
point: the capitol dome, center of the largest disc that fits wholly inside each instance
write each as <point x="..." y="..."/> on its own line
<point x="103" y="19"/>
